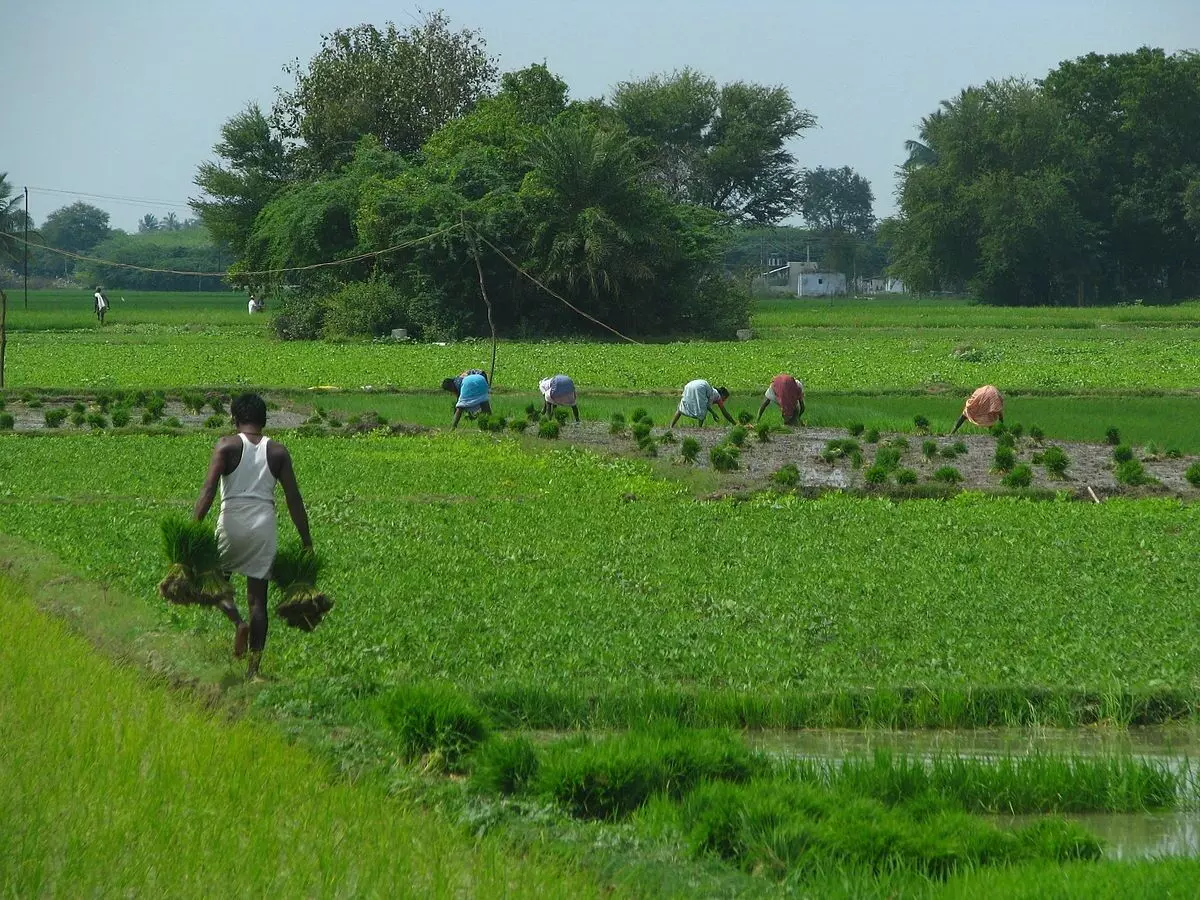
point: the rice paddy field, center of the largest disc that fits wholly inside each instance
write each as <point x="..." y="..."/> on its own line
<point x="573" y="660"/>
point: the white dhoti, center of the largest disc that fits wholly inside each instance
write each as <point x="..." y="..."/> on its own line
<point x="247" y="537"/>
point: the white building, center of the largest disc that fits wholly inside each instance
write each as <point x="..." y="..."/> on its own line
<point x="821" y="284"/>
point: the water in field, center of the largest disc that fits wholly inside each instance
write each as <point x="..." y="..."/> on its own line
<point x="1126" y="836"/>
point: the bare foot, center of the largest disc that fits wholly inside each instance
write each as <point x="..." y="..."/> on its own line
<point x="241" y="640"/>
<point x="252" y="669"/>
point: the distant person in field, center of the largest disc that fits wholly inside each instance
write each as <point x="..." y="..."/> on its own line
<point x="474" y="395"/>
<point x="256" y="305"/>
<point x="984" y="408"/>
<point x="247" y="466"/>
<point x="558" y="390"/>
<point x="699" y="398"/>
<point x="788" y="392"/>
<point x="101" y="303"/>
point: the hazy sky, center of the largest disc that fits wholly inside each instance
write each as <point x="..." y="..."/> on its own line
<point x="125" y="97"/>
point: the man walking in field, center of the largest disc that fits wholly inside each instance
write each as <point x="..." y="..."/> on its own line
<point x="101" y="303"/>
<point x="247" y="465"/>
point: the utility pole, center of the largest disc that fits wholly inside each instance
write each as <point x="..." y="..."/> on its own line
<point x="27" y="247"/>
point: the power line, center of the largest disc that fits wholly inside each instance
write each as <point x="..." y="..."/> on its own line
<point x="320" y="265"/>
<point x="142" y="201"/>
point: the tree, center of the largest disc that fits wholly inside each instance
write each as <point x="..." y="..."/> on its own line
<point x="723" y="148"/>
<point x="148" y="222"/>
<point x="13" y="220"/>
<point x="255" y="167"/>
<point x="77" y="229"/>
<point x="170" y="222"/>
<point x="400" y="86"/>
<point x="837" y="200"/>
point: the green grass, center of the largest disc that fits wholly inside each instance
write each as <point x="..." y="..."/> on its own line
<point x="435" y="550"/>
<point x="71" y="309"/>
<point x="113" y="786"/>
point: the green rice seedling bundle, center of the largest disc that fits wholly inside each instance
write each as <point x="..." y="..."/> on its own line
<point x="872" y="436"/>
<point x="786" y="476"/>
<point x="194" y="575"/>
<point x="518" y="425"/>
<point x="745" y="418"/>
<point x="295" y="574"/>
<point x="97" y="420"/>
<point x="856" y="428"/>
<point x="6" y="421"/>
<point x="1193" y="474"/>
<point x="906" y="476"/>
<point x="921" y="424"/>
<point x="947" y="475"/>
<point x="120" y="417"/>
<point x="929" y="449"/>
<point x="1020" y="477"/>
<point x="877" y="474"/>
<point x="1133" y="473"/>
<point x="668" y="437"/>
<point x="1036" y="434"/>
<point x="78" y="419"/>
<point x="1112" y="436"/>
<point x="638" y="414"/>
<point x="617" y="426"/>
<point x="737" y="435"/>
<point x="1006" y="439"/>
<point x="888" y="458"/>
<point x="215" y="422"/>
<point x="55" y="417"/>
<point x="561" y="415"/>
<point x="762" y="431"/>
<point x="689" y="449"/>
<point x="548" y="429"/>
<point x="1017" y="430"/>
<point x="1005" y="459"/>
<point x="724" y="457"/>
<point x="1056" y="461"/>
<point x="1122" y="453"/>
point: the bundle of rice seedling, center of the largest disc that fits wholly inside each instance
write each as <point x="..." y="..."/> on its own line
<point x="295" y="574"/>
<point x="195" y="575"/>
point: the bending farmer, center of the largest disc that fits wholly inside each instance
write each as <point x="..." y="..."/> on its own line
<point x="474" y="397"/>
<point x="788" y="392"/>
<point x="559" y="390"/>
<point x="698" y="399"/>
<point x="100" y="303"/>
<point x="984" y="408"/>
<point x="248" y="465"/>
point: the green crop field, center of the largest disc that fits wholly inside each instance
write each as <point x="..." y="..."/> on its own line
<point x="558" y="629"/>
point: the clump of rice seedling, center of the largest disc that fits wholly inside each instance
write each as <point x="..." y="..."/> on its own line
<point x="641" y="433"/>
<point x="786" y="476"/>
<point x="120" y="417"/>
<point x="947" y="475"/>
<point x="155" y="406"/>
<point x="839" y="448"/>
<point x="906" y="476"/>
<point x="3" y="403"/>
<point x="138" y="398"/>
<point x="55" y="417"/>
<point x="194" y="574"/>
<point x="35" y="403"/>
<point x="193" y="402"/>
<point x="1193" y="474"/>
<point x="1112" y="436"/>
<point x="649" y="448"/>
<point x="724" y="457"/>
<point x="7" y="421"/>
<point x="504" y="766"/>
<point x="216" y="421"/>
<point x="103" y="399"/>
<point x="998" y="429"/>
<point x="856" y="429"/>
<point x="97" y="420"/>
<point x="689" y="449"/>
<point x="610" y="778"/>
<point x="929" y="449"/>
<point x="1174" y="453"/>
<point x="1056" y="461"/>
<point x="496" y="424"/>
<point x="531" y="410"/>
<point x="548" y="429"/>
<point x="1133" y="473"/>
<point x="856" y="459"/>
<point x="333" y="421"/>
<point x="216" y="403"/>
<point x="921" y="424"/>
<point x="960" y="448"/>
<point x="1004" y="460"/>
<point x="435" y="722"/>
<point x="561" y="415"/>
<point x="147" y="417"/>
<point x="887" y="458"/>
<point x="518" y="425"/>
<point x="172" y="422"/>
<point x="1122" y="453"/>
<point x="1017" y="430"/>
<point x="295" y="574"/>
<point x="737" y="435"/>
<point x="1036" y="434"/>
<point x="638" y="415"/>
<point x="1151" y="452"/>
<point x="876" y="474"/>
<point x="78" y="419"/>
<point x="762" y="431"/>
<point x="1020" y="477"/>
<point x="617" y="426"/>
<point x="872" y="436"/>
<point x="900" y="443"/>
<point x="1005" y="439"/>
<point x="78" y="407"/>
<point x="745" y="418"/>
<point x="667" y="437"/>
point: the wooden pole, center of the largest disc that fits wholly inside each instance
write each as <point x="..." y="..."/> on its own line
<point x="3" y="331"/>
<point x="27" y="248"/>
<point x="483" y="291"/>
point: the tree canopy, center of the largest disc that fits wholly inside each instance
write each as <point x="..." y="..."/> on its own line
<point x="1075" y="188"/>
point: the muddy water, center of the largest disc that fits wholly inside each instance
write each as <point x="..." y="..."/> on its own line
<point x="1125" y="835"/>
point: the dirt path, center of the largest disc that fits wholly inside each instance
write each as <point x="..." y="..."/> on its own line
<point x="1091" y="465"/>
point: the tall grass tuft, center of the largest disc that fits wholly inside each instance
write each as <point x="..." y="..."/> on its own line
<point x="434" y="722"/>
<point x="504" y="765"/>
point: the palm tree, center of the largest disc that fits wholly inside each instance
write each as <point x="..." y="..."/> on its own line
<point x="586" y="182"/>
<point x="170" y="222"/>
<point x="921" y="152"/>
<point x="148" y="222"/>
<point x="13" y="219"/>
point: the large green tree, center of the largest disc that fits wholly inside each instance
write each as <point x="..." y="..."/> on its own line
<point x="837" y="200"/>
<point x="77" y="228"/>
<point x="400" y="86"/>
<point x="254" y="166"/>
<point x="1072" y="189"/>
<point x="723" y="147"/>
